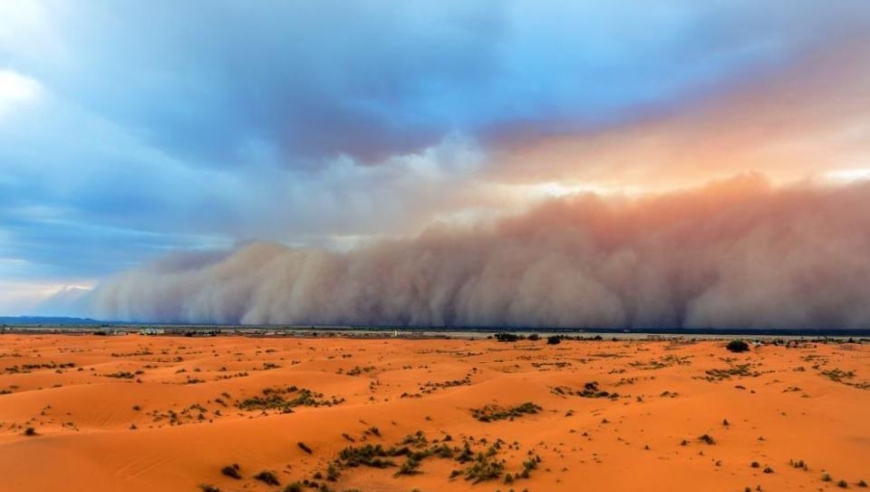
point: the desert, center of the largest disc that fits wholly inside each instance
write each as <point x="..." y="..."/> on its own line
<point x="242" y="413"/>
<point x="434" y="246"/>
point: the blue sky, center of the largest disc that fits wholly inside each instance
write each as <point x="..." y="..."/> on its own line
<point x="133" y="129"/>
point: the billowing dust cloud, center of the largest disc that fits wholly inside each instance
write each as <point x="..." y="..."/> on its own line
<point x="733" y="254"/>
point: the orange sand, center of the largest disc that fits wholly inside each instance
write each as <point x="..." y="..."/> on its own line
<point x="90" y="438"/>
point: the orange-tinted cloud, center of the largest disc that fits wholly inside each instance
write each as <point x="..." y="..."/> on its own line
<point x="798" y="121"/>
<point x="738" y="253"/>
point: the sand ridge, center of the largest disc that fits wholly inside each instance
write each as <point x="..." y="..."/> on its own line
<point x="106" y="413"/>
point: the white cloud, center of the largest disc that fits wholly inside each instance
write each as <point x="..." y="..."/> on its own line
<point x="849" y="175"/>
<point x="16" y="89"/>
<point x="21" y="298"/>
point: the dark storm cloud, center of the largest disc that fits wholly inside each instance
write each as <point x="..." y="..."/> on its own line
<point x="230" y="82"/>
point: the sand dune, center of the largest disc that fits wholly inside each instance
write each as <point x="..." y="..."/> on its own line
<point x="139" y="413"/>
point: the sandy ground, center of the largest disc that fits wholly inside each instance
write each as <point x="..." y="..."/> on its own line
<point x="136" y="413"/>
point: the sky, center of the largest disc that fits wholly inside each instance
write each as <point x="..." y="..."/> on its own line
<point x="149" y="140"/>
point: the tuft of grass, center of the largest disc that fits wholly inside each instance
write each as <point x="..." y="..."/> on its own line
<point x="30" y="432"/>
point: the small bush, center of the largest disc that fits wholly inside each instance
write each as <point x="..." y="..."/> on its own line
<point x="554" y="340"/>
<point x="121" y="375"/>
<point x="304" y="447"/>
<point x="737" y="346"/>
<point x="293" y="487"/>
<point x="30" y="432"/>
<point x="231" y="471"/>
<point x="491" y="413"/>
<point x="484" y="469"/>
<point x="208" y="488"/>
<point x="374" y="456"/>
<point x="409" y="467"/>
<point x="267" y="477"/>
<point x="332" y="472"/>
<point x="707" y="439"/>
